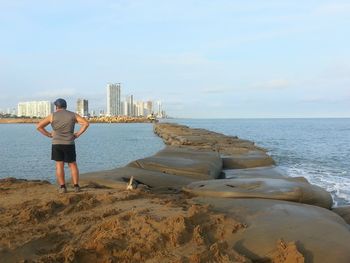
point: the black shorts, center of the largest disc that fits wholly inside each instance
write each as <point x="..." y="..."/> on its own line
<point x="63" y="152"/>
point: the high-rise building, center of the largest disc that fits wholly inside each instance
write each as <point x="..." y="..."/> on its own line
<point x="39" y="109"/>
<point x="113" y="99"/>
<point x="82" y="107"/>
<point x="140" y="110"/>
<point x="124" y="110"/>
<point x="130" y="105"/>
<point x="149" y="107"/>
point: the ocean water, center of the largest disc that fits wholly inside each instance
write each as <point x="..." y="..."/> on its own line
<point x="318" y="149"/>
<point x="25" y="153"/>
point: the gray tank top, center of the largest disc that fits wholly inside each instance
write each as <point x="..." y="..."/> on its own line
<point x="63" y="123"/>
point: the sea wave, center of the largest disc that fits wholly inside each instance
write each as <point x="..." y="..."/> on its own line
<point x="337" y="185"/>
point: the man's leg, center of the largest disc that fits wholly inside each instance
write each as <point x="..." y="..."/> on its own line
<point x="60" y="172"/>
<point x="74" y="172"/>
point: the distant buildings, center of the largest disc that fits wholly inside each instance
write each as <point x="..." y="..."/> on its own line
<point x="130" y="103"/>
<point x="113" y="99"/>
<point x="139" y="108"/>
<point x="93" y="113"/>
<point x="149" y="108"/>
<point x="82" y="107"/>
<point x="8" y="112"/>
<point x="128" y="106"/>
<point x="160" y="112"/>
<point x="116" y="106"/>
<point x="38" y="109"/>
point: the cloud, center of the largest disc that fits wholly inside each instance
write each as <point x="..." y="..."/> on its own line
<point x="187" y="59"/>
<point x="339" y="70"/>
<point x="217" y="90"/>
<point x="333" y="9"/>
<point x="53" y="94"/>
<point x="323" y="99"/>
<point x="273" y="84"/>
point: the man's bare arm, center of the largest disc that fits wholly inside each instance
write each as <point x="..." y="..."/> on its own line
<point x="84" y="124"/>
<point x="41" y="126"/>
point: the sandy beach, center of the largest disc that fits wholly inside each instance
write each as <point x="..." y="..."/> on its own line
<point x="180" y="208"/>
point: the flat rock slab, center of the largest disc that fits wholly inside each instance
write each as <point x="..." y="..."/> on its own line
<point x="247" y="160"/>
<point x="262" y="172"/>
<point x="117" y="178"/>
<point x="320" y="235"/>
<point x="201" y="165"/>
<point x="344" y="212"/>
<point x="266" y="188"/>
<point x="257" y="172"/>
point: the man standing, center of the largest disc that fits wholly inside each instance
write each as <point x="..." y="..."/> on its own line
<point x="63" y="137"/>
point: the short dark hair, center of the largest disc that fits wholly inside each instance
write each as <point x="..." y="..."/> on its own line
<point x="60" y="103"/>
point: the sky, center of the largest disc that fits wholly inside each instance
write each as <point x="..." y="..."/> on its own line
<point x="201" y="58"/>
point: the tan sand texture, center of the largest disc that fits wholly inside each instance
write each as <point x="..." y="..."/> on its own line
<point x="108" y="225"/>
<point x="157" y="222"/>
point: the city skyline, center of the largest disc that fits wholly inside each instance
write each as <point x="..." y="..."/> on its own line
<point x="115" y="106"/>
<point x="100" y="109"/>
<point x="222" y="59"/>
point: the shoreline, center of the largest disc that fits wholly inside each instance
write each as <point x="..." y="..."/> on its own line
<point x="91" y="120"/>
<point x="182" y="205"/>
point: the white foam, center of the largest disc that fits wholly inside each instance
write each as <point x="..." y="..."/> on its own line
<point x="338" y="186"/>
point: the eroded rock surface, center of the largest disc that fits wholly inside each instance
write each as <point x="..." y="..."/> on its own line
<point x="265" y="188"/>
<point x="183" y="162"/>
<point x="320" y="235"/>
<point x="235" y="152"/>
<point x="344" y="212"/>
<point x="119" y="176"/>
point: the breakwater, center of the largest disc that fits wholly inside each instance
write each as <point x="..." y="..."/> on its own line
<point x="273" y="205"/>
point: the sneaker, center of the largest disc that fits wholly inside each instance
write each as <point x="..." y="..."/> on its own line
<point x="76" y="188"/>
<point x="62" y="190"/>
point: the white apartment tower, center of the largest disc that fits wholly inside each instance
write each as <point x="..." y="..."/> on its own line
<point x="113" y="100"/>
<point x="140" y="108"/>
<point x="38" y="109"/>
<point x="82" y="107"/>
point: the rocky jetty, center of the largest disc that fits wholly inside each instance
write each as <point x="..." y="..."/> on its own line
<point x="272" y="205"/>
<point x="206" y="197"/>
<point x="235" y="153"/>
<point x="121" y="119"/>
